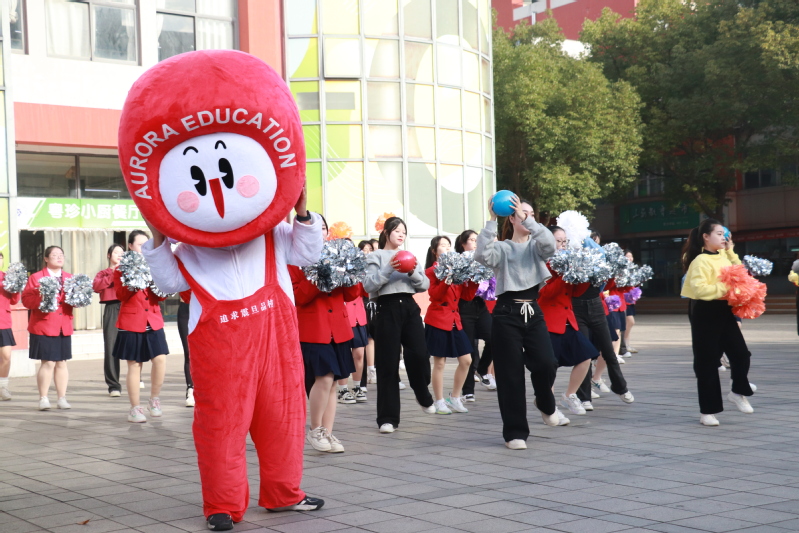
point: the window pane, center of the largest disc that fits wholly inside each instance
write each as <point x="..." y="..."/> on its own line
<point x="449" y="65"/>
<point x="176" y="35"/>
<point x="114" y="33"/>
<point x="485" y="24"/>
<point x="473" y="149"/>
<point x="46" y="175"/>
<point x="485" y="68"/>
<point x="214" y="34"/>
<point x="382" y="58"/>
<point x="422" y="143"/>
<point x="384" y="183"/>
<point x="450" y="145"/>
<point x="301" y="17"/>
<point x="418" y="18"/>
<point x="217" y="8"/>
<point x="101" y="177"/>
<point x="343" y="101"/>
<point x="380" y="17"/>
<point x="313" y="183"/>
<point x="471" y="111"/>
<point x="313" y="141"/>
<point x="419" y="104"/>
<point x="3" y="140"/>
<point x="471" y="71"/>
<point x="447" y="21"/>
<point x="469" y="9"/>
<point x="422" y="199"/>
<point x="385" y="141"/>
<point x="306" y="93"/>
<point x="68" y="29"/>
<point x="340" y="17"/>
<point x="344" y="141"/>
<point x="452" y="205"/>
<point x="176" y="5"/>
<point x="17" y="25"/>
<point x="342" y="58"/>
<point x="419" y="62"/>
<point x="473" y="183"/>
<point x="448" y="107"/>
<point x="488" y="119"/>
<point x="303" y="58"/>
<point x="345" y="198"/>
<point x="384" y="100"/>
<point x="489" y="152"/>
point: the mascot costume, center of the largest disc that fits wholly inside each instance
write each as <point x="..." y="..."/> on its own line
<point x="211" y="147"/>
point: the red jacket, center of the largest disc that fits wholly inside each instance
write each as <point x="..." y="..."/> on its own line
<point x="7" y="299"/>
<point x="356" y="310"/>
<point x="322" y="316"/>
<point x="555" y="300"/>
<point x="138" y="308"/>
<point x="50" y="324"/>
<point x="443" y="312"/>
<point x="104" y="285"/>
<point x="618" y="291"/>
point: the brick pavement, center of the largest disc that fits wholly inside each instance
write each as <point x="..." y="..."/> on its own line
<point x="648" y="466"/>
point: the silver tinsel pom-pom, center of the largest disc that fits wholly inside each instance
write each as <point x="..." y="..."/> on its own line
<point x="342" y="264"/>
<point x="135" y="271"/>
<point x="757" y="266"/>
<point x="155" y="290"/>
<point x="78" y="290"/>
<point x="477" y="272"/>
<point x="633" y="275"/>
<point x="644" y="274"/>
<point x="615" y="257"/>
<point x="16" y="278"/>
<point x="457" y="269"/>
<point x="582" y="265"/>
<point x="49" y="288"/>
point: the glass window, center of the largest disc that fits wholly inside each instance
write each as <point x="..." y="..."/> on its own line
<point x="473" y="148"/>
<point x="85" y="30"/>
<point x="344" y="141"/>
<point x="343" y="101"/>
<point x="114" y="33"/>
<point x="488" y="188"/>
<point x="3" y="141"/>
<point x="186" y="25"/>
<point x="380" y="17"/>
<point x="471" y="72"/>
<point x="485" y="69"/>
<point x="177" y="5"/>
<point x="44" y="175"/>
<point x="422" y="199"/>
<point x="342" y="58"/>
<point x="301" y="18"/>
<point x="385" y="141"/>
<point x="384" y="183"/>
<point x="344" y="200"/>
<point x="448" y="107"/>
<point x="470" y="30"/>
<point x="447" y="21"/>
<point x="419" y="104"/>
<point x="485" y="24"/>
<point x="449" y="65"/>
<point x="306" y="94"/>
<point x="313" y="141"/>
<point x="422" y="143"/>
<point x="471" y="111"/>
<point x="101" y="177"/>
<point x="451" y="180"/>
<point x="382" y="58"/>
<point x="488" y="156"/>
<point x="418" y="18"/>
<point x="17" y="19"/>
<point x="175" y="36"/>
<point x="488" y="119"/>
<point x="383" y="100"/>
<point x="419" y="62"/>
<point x="473" y="183"/>
<point x="340" y="17"/>
<point x="303" y="58"/>
<point x="68" y="29"/>
<point x="313" y="183"/>
<point x="450" y="145"/>
<point x="213" y="34"/>
<point x="215" y="8"/>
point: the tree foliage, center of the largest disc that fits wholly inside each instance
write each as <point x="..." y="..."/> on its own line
<point x="718" y="80"/>
<point x="565" y="135"/>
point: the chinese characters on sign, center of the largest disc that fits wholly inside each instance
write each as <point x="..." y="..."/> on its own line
<point x="656" y="216"/>
<point x="77" y="213"/>
<point x="247" y="311"/>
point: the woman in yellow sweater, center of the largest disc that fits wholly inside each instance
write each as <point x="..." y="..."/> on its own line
<point x="713" y="327"/>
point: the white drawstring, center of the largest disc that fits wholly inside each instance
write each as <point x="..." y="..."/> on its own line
<point x="527" y="310"/>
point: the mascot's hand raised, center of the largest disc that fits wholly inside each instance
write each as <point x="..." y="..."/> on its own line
<point x="158" y="237"/>
<point x="302" y="205"/>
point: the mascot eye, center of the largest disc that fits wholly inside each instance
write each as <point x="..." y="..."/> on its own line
<point x="198" y="176"/>
<point x="227" y="179"/>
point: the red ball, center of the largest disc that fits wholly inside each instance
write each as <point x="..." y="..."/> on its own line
<point x="406" y="260"/>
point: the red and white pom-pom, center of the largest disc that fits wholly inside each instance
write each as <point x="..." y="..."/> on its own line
<point x="745" y="294"/>
<point x="381" y="221"/>
<point x="339" y="230"/>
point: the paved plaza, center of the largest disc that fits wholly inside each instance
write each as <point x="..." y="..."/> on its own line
<point x="648" y="466"/>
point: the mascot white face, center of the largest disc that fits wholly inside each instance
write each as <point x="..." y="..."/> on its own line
<point x="217" y="182"/>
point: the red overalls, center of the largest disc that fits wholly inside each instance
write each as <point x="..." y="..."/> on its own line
<point x="248" y="375"/>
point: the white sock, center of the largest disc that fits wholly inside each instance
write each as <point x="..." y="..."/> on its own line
<point x="342" y="387"/>
<point x="4" y="382"/>
<point x="370" y="367"/>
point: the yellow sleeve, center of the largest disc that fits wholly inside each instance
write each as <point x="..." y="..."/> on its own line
<point x="733" y="257"/>
<point x="793" y="277"/>
<point x="703" y="281"/>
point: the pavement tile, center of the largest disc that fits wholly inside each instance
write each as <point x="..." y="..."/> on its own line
<point x="714" y="523"/>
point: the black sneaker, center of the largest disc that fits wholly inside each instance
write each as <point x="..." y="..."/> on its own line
<point x="307" y="504"/>
<point x="220" y="522"/>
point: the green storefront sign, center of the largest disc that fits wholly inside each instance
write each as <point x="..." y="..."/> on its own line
<point x="74" y="213"/>
<point x="656" y="216"/>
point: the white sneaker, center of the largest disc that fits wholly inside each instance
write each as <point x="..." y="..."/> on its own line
<point x="740" y="402"/>
<point x="402" y="364"/>
<point x="371" y="375"/>
<point x="4" y="394"/>
<point x="594" y="395"/>
<point x="476" y="378"/>
<point x="632" y="350"/>
<point x="345" y="396"/>
<point x="516" y="444"/>
<point x="572" y="403"/>
<point x="550" y="420"/>
<point x="335" y="444"/>
<point x="469" y="398"/>
<point x="154" y="406"/>
<point x="360" y="394"/>
<point x="136" y="415"/>
<point x="725" y="362"/>
<point x="751" y="386"/>
<point x="621" y="360"/>
<point x="430" y="410"/>
<point x="401" y="386"/>
<point x="627" y="354"/>
<point x="190" y="397"/>
<point x="441" y="408"/>
<point x="722" y="369"/>
<point x="562" y="420"/>
<point x="317" y="438"/>
<point x="114" y="393"/>
<point x="141" y="384"/>
<point x="44" y="404"/>
<point x="627" y="397"/>
<point x="489" y="382"/>
<point x="599" y="386"/>
<point x="62" y="403"/>
<point x="455" y="404"/>
<point x="387" y="428"/>
<point x="708" y="420"/>
<point x="588" y="406"/>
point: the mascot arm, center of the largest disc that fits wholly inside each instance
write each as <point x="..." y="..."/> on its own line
<point x="164" y="267"/>
<point x="302" y="243"/>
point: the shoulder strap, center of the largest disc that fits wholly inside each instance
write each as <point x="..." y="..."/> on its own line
<point x="270" y="268"/>
<point x="202" y="295"/>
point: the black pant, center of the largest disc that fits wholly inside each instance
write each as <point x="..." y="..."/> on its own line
<point x="592" y="323"/>
<point x="111" y="363"/>
<point x="714" y="332"/>
<point x="521" y="342"/>
<point x="183" y="330"/>
<point x="398" y="326"/>
<point x="486" y="358"/>
<point x="476" y="321"/>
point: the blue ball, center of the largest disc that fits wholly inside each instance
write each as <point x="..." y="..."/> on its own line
<point x="727" y="234"/>
<point x="502" y="203"/>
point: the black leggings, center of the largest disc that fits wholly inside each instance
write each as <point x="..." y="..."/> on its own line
<point x="476" y="322"/>
<point x="183" y="330"/>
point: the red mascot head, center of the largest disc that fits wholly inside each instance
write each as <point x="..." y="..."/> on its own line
<point x="211" y="147"/>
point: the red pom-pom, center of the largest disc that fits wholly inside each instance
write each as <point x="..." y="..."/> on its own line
<point x="339" y="230"/>
<point x="745" y="294"/>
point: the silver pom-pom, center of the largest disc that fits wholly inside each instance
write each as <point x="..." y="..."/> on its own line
<point x="644" y="274"/>
<point x="135" y="271"/>
<point x="49" y="288"/>
<point x="452" y="268"/>
<point x="581" y="265"/>
<point x="757" y="266"/>
<point x="633" y="275"/>
<point x="341" y="264"/>
<point x="16" y="278"/>
<point x="477" y="272"/>
<point x="78" y="290"/>
<point x="155" y="290"/>
<point x="615" y="257"/>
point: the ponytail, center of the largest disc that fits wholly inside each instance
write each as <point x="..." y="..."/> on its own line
<point x="431" y="252"/>
<point x="696" y="241"/>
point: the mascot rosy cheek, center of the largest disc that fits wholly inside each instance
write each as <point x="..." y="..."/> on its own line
<point x="211" y="148"/>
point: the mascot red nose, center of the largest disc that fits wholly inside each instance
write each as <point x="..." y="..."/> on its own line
<point x="211" y="147"/>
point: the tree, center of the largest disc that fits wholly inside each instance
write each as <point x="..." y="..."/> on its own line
<point x="718" y="80"/>
<point x="565" y="135"/>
